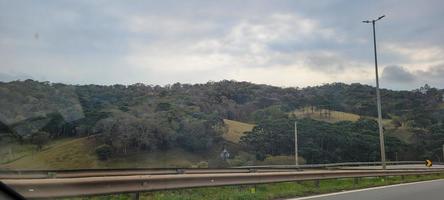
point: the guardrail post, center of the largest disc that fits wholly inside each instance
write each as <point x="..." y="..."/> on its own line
<point x="355" y="181"/>
<point x="135" y="196"/>
<point x="317" y="183"/>
<point x="253" y="189"/>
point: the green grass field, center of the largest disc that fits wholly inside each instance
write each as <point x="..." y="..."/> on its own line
<point x="236" y="130"/>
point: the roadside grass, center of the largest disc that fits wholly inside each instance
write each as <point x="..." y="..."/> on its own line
<point x="269" y="191"/>
<point x="236" y="130"/>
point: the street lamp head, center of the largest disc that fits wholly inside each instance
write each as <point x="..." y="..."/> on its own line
<point x="373" y="21"/>
<point x="381" y="17"/>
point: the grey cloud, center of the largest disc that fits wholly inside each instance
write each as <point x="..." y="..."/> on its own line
<point x="324" y="62"/>
<point x="398" y="77"/>
<point x="87" y="42"/>
<point x="397" y="74"/>
<point x="13" y="77"/>
<point x="436" y="73"/>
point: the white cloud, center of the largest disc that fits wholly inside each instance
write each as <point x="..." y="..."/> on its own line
<point x="245" y="45"/>
<point x="415" y="57"/>
<point x="166" y="25"/>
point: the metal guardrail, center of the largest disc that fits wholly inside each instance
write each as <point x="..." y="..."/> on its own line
<point x="344" y="164"/>
<point x="69" y="187"/>
<point x="78" y="173"/>
<point x="36" y="174"/>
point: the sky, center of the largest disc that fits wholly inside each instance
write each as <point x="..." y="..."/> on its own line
<point x="282" y="43"/>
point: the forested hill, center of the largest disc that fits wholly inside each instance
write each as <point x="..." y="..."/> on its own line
<point x="225" y="99"/>
<point x="191" y="116"/>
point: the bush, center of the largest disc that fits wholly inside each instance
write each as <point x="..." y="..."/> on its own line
<point x="281" y="160"/>
<point x="183" y="164"/>
<point x="39" y="139"/>
<point x="202" y="164"/>
<point x="104" y="152"/>
<point x="243" y="159"/>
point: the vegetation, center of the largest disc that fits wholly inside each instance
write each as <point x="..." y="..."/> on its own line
<point x="40" y="138"/>
<point x="326" y="115"/>
<point x="73" y="153"/>
<point x="236" y="130"/>
<point x="104" y="152"/>
<point x="139" y="119"/>
<point x="320" y="142"/>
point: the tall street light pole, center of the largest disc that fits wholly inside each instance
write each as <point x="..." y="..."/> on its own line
<point x="378" y="95"/>
<point x="296" y="143"/>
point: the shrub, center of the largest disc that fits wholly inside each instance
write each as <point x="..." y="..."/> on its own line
<point x="39" y="139"/>
<point x="104" y="152"/>
<point x="202" y="164"/>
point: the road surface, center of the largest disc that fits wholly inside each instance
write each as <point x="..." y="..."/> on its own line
<point x="427" y="190"/>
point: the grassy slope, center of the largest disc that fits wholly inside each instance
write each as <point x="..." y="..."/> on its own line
<point x="335" y="116"/>
<point x="79" y="153"/>
<point x="235" y="130"/>
<point x="403" y="134"/>
<point x="67" y="154"/>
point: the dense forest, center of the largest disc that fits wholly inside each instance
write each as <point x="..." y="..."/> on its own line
<point x="139" y="117"/>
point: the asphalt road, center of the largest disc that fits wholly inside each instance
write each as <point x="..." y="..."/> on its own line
<point x="427" y="190"/>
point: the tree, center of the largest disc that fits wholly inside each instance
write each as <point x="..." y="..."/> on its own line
<point x="40" y="138"/>
<point x="103" y="152"/>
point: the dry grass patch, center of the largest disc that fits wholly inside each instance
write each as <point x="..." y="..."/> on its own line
<point x="236" y="130"/>
<point x="330" y="116"/>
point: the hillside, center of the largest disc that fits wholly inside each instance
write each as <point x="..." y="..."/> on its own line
<point x="79" y="153"/>
<point x="326" y="115"/>
<point x="75" y="153"/>
<point x="236" y="130"/>
<point x="189" y="120"/>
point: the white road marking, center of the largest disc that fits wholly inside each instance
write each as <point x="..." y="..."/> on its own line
<point x="365" y="189"/>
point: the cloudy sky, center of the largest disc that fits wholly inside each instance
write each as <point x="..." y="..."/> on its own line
<point x="283" y="43"/>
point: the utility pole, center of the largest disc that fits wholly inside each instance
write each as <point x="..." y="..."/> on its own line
<point x="296" y="143"/>
<point x="443" y="152"/>
<point x="378" y="95"/>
